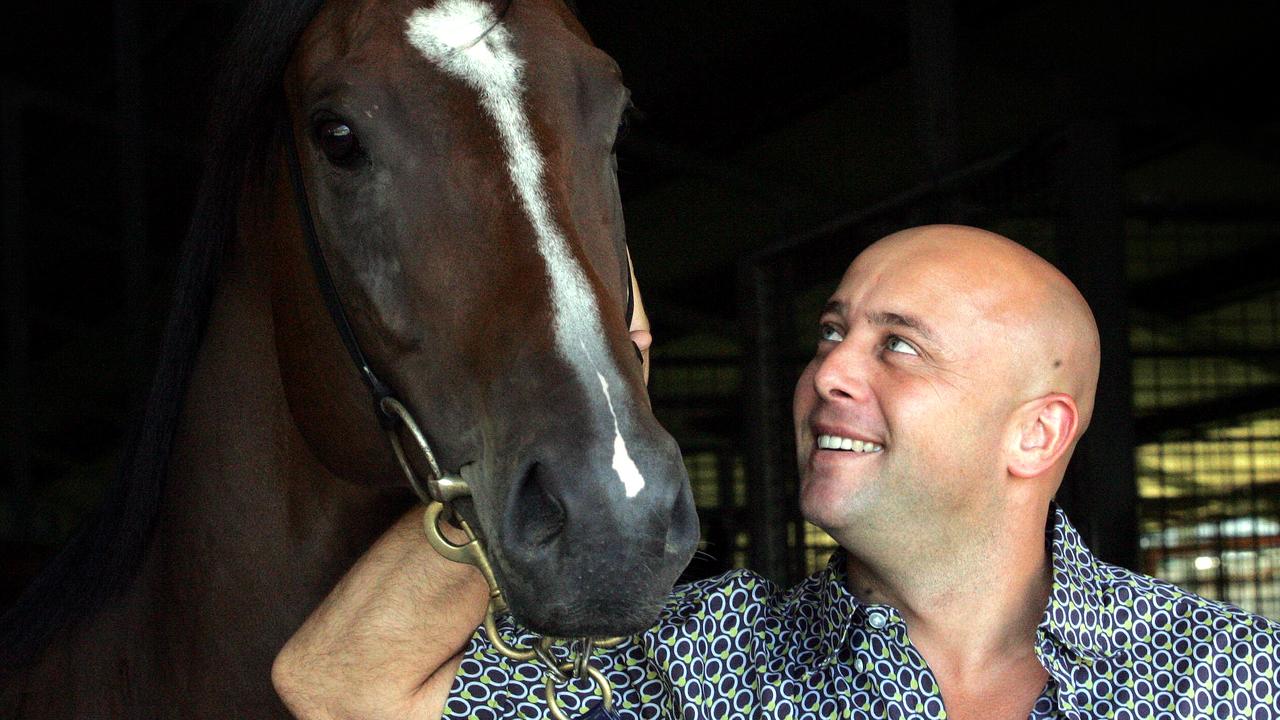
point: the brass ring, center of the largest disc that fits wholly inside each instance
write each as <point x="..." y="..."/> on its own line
<point x="606" y="692"/>
<point x="491" y="629"/>
<point x="403" y="460"/>
<point x="393" y="406"/>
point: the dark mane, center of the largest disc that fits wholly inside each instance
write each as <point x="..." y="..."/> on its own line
<point x="106" y="552"/>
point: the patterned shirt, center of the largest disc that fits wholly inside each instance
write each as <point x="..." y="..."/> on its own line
<point x="1116" y="644"/>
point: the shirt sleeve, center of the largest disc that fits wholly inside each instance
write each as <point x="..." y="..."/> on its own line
<point x="715" y="642"/>
<point x="701" y="659"/>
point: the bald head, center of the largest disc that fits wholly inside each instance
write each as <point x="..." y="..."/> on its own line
<point x="1048" y="332"/>
<point x="954" y="372"/>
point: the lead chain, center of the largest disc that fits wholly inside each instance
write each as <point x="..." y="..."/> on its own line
<point x="437" y="492"/>
<point x="580" y="650"/>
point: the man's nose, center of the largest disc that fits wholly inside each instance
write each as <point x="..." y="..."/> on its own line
<point x="844" y="374"/>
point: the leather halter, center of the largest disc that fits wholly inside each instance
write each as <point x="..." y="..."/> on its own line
<point x="332" y="301"/>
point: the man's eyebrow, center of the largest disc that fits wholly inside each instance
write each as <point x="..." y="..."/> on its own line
<point x="891" y="319"/>
<point x="886" y="319"/>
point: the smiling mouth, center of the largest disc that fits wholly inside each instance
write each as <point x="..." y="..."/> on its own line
<point x="836" y="442"/>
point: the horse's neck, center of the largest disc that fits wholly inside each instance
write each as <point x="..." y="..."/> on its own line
<point x="254" y="531"/>
<point x="252" y="534"/>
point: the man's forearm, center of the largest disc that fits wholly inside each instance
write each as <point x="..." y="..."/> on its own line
<point x="384" y="643"/>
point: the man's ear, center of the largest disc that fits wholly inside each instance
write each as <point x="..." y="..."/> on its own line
<point x="1043" y="433"/>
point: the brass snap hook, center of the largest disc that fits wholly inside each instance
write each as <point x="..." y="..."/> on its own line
<point x="471" y="552"/>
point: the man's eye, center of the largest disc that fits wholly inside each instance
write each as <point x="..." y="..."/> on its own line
<point x="898" y="345"/>
<point x="828" y="333"/>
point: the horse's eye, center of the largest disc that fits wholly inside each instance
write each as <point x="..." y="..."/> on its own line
<point x="339" y="142"/>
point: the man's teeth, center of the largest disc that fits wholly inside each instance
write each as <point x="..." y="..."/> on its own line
<point x="835" y="442"/>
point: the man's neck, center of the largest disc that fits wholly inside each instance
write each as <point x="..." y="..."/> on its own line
<point x="971" y="608"/>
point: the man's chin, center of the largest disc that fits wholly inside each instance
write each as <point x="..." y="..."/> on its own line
<point x="830" y="503"/>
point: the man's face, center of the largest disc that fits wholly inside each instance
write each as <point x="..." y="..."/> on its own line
<point x="909" y="372"/>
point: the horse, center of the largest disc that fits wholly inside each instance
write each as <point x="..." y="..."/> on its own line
<point x="456" y="160"/>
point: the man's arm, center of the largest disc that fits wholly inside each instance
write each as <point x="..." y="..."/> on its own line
<point x="385" y="643"/>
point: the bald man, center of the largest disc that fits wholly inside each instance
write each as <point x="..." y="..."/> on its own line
<point x="954" y="373"/>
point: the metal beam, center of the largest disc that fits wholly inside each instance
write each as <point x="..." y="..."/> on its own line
<point x="1265" y="497"/>
<point x="1213" y="283"/>
<point x="1100" y="490"/>
<point x="1157" y="426"/>
<point x="768" y="452"/>
<point x="836" y="231"/>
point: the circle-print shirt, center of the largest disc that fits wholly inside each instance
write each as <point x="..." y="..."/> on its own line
<point x="1116" y="644"/>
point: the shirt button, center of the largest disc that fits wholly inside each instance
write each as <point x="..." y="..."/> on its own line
<point x="876" y="619"/>
<point x="860" y="665"/>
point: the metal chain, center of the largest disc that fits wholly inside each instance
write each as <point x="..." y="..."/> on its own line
<point x="557" y="671"/>
<point x="438" y="492"/>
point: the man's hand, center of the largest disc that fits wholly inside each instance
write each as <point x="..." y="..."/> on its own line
<point x="386" y="642"/>
<point x="640" y="330"/>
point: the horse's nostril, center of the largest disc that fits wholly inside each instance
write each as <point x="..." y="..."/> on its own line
<point x="537" y="518"/>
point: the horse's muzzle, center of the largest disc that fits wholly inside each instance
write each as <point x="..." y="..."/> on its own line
<point x="577" y="556"/>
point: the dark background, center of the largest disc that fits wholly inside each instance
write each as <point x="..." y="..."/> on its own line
<point x="1134" y="144"/>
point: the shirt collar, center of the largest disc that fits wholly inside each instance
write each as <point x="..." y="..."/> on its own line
<point x="838" y="607"/>
<point x="1078" y="617"/>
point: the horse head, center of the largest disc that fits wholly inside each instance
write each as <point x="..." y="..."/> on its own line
<point x="458" y="161"/>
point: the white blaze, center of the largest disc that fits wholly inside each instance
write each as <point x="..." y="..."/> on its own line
<point x="462" y="38"/>
<point x="632" y="480"/>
